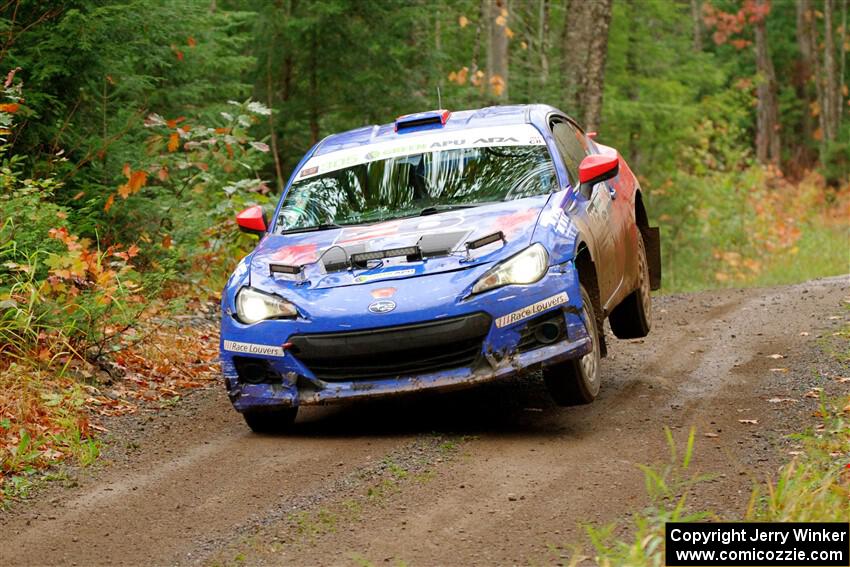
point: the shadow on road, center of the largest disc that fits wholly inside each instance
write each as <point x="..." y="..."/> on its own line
<point x="518" y="405"/>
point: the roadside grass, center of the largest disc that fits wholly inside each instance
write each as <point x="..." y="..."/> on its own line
<point x="813" y="486"/>
<point x="823" y="250"/>
<point x="758" y="231"/>
<point x="51" y="411"/>
<point x="43" y="421"/>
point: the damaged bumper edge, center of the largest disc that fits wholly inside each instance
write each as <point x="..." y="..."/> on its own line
<point x="303" y="392"/>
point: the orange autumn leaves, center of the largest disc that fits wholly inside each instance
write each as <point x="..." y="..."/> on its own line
<point x="781" y="211"/>
<point x="174" y="137"/>
<point x="478" y="78"/>
<point x="462" y="77"/>
<point x="728" y="24"/>
<point x="136" y="179"/>
<point x="82" y="268"/>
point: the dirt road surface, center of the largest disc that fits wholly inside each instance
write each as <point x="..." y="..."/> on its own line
<point x="497" y="475"/>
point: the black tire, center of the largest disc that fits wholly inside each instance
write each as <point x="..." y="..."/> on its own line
<point x="576" y="382"/>
<point x="276" y="420"/>
<point x="632" y="318"/>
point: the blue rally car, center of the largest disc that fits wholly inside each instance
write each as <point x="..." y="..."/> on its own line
<point x="440" y="251"/>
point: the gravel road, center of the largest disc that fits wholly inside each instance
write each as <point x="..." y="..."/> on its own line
<point x="496" y="475"/>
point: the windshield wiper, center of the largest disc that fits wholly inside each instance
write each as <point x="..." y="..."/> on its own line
<point x="323" y="226"/>
<point x="434" y="209"/>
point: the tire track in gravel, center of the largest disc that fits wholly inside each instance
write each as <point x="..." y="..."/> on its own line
<point x="180" y="491"/>
<point x="200" y="489"/>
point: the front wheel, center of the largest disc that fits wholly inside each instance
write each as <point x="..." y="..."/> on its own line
<point x="631" y="319"/>
<point x="276" y="420"/>
<point x="576" y="382"/>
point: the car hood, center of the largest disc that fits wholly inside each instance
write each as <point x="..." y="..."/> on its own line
<point x="302" y="259"/>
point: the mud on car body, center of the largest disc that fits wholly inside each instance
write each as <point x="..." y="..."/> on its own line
<point x="438" y="252"/>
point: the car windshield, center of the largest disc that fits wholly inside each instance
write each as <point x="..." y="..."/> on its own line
<point x="417" y="184"/>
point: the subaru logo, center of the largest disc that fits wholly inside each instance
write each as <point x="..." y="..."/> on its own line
<point x="382" y="306"/>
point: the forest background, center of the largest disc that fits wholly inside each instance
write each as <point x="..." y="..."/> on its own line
<point x="132" y="131"/>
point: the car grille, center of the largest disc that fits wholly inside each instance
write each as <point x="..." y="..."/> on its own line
<point x="393" y="351"/>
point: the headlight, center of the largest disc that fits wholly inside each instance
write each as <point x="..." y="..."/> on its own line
<point x="253" y="306"/>
<point x="524" y="268"/>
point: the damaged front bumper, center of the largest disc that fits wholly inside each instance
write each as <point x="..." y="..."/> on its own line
<point x="471" y="341"/>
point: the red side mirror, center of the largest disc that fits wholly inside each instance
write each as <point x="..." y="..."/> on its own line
<point x="596" y="168"/>
<point x="252" y="220"/>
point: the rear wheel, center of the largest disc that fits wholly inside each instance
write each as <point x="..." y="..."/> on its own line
<point x="632" y="318"/>
<point x="274" y="420"/>
<point x="576" y="382"/>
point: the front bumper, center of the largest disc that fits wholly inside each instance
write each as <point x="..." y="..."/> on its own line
<point x="483" y="338"/>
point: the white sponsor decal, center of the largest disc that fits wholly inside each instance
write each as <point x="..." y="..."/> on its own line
<point x="251" y="348"/>
<point x="383" y="275"/>
<point x="513" y="135"/>
<point x="532" y="310"/>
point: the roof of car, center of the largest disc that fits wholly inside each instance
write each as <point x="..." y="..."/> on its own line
<point x="457" y="120"/>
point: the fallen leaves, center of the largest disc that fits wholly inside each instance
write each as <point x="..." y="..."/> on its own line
<point x="813" y="393"/>
<point x="781" y="400"/>
<point x="749" y="421"/>
<point x="45" y="419"/>
<point x="776" y="356"/>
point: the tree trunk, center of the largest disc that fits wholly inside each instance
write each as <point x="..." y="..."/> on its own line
<point x="767" y="122"/>
<point x="574" y="53"/>
<point x="476" y="46"/>
<point x="808" y="37"/>
<point x="842" y="40"/>
<point x="633" y="92"/>
<point x="543" y="42"/>
<point x="804" y="72"/>
<point x="696" y="17"/>
<point x="438" y="54"/>
<point x="497" y="54"/>
<point x="278" y="169"/>
<point x="594" y="72"/>
<point x="314" y="88"/>
<point x="830" y="77"/>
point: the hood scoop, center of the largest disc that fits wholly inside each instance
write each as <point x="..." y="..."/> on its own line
<point x="357" y="256"/>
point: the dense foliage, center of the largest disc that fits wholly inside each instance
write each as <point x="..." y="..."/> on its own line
<point x="132" y="130"/>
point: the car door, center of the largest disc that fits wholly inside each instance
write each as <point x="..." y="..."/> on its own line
<point x="597" y="208"/>
<point x="621" y="221"/>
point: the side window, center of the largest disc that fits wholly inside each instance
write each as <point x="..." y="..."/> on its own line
<point x="572" y="145"/>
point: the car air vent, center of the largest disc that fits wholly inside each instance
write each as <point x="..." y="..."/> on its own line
<point x="422" y="121"/>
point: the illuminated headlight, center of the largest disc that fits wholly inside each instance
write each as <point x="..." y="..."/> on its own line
<point x="253" y="306"/>
<point x="524" y="268"/>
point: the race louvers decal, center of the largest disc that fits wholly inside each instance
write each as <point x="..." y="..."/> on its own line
<point x="532" y="310"/>
<point x="251" y="348"/>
